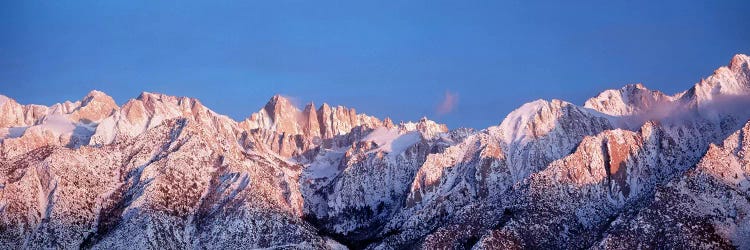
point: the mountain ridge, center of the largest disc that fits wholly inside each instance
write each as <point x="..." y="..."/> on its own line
<point x="551" y="174"/>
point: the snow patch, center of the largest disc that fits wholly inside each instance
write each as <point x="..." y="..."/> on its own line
<point x="334" y="245"/>
<point x="392" y="141"/>
<point x="58" y="124"/>
<point x="105" y="132"/>
<point x="325" y="165"/>
<point x="514" y="125"/>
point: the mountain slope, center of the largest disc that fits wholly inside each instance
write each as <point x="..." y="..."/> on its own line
<point x="630" y="168"/>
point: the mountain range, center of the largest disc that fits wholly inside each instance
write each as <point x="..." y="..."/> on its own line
<point x="630" y="168"/>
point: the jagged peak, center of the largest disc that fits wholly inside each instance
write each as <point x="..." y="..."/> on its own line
<point x="387" y="122"/>
<point x="739" y="61"/>
<point x="310" y="106"/>
<point x="280" y="104"/>
<point x="535" y="118"/>
<point x="282" y="115"/>
<point x="325" y="105"/>
<point x="527" y="109"/>
<point x="530" y="109"/>
<point x="634" y="86"/>
<point x="640" y="88"/>
<point x="630" y="99"/>
<point x="98" y="96"/>
<point x="626" y="89"/>
<point x="428" y="128"/>
<point x="731" y="80"/>
<point x="96" y="93"/>
<point x="423" y="120"/>
<point x="155" y="96"/>
<point x="279" y="99"/>
<point x="96" y="105"/>
<point x="149" y="97"/>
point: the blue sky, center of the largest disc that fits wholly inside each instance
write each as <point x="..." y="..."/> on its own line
<point x="396" y="59"/>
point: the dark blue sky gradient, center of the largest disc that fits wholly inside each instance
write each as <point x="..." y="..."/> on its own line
<point x="386" y="59"/>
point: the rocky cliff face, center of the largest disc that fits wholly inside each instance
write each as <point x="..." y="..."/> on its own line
<point x="707" y="207"/>
<point x="631" y="168"/>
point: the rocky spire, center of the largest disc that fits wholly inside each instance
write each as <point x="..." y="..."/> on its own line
<point x="285" y="116"/>
<point x="336" y="120"/>
<point x="312" y="125"/>
<point x="324" y="117"/>
<point x="387" y="122"/>
<point x="11" y="113"/>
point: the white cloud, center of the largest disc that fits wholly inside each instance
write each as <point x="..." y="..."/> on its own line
<point x="448" y="103"/>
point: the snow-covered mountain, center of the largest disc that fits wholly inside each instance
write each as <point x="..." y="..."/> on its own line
<point x="631" y="168"/>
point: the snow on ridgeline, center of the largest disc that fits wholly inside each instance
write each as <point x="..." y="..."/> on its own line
<point x="355" y="186"/>
<point x="390" y="140"/>
<point x="3" y="99"/>
<point x="513" y="125"/>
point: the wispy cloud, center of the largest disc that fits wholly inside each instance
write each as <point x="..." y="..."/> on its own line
<point x="295" y="101"/>
<point x="449" y="102"/>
